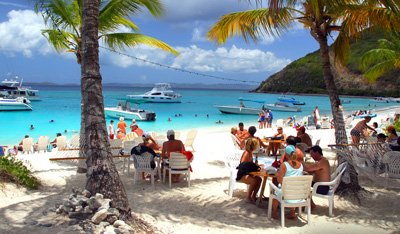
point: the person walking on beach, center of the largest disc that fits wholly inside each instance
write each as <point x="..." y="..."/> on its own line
<point x="261" y="119"/>
<point x="131" y="126"/>
<point x="111" y="129"/>
<point x="270" y="118"/>
<point x="316" y="115"/>
<point x="122" y="125"/>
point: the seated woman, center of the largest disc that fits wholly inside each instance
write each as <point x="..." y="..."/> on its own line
<point x="149" y="141"/>
<point x="289" y="168"/>
<point x="253" y="181"/>
<point x="241" y="142"/>
<point x="392" y="134"/>
<point x="274" y="146"/>
<point x="291" y="140"/>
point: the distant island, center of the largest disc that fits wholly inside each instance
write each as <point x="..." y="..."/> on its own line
<point x="235" y="86"/>
<point x="305" y="75"/>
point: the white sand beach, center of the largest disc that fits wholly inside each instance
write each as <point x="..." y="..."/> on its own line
<point x="205" y="207"/>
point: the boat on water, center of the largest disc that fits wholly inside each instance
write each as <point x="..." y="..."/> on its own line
<point x="14" y="88"/>
<point x="343" y="101"/>
<point x="161" y="93"/>
<point x="124" y="109"/>
<point x="14" y="104"/>
<point x="241" y="109"/>
<point x="380" y="100"/>
<point x="282" y="106"/>
<point x="283" y="98"/>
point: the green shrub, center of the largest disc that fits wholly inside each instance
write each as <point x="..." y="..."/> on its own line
<point x="14" y="170"/>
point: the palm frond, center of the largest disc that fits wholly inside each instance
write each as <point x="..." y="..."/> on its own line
<point x="376" y="56"/>
<point x="58" y="39"/>
<point x="378" y="70"/>
<point x="251" y="24"/>
<point x="123" y="40"/>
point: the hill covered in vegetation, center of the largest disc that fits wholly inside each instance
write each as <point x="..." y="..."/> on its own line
<point x="305" y="74"/>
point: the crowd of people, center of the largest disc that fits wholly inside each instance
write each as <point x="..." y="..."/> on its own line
<point x="265" y="119"/>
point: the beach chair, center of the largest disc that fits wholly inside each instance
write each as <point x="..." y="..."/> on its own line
<point x="291" y="122"/>
<point x="293" y="188"/>
<point x="115" y="145"/>
<point x="303" y="147"/>
<point x="128" y="145"/>
<point x="325" y="124"/>
<point x="280" y="123"/>
<point x="178" y="164"/>
<point x="333" y="184"/>
<point x="311" y="124"/>
<point x="142" y="163"/>
<point x="43" y="144"/>
<point x="190" y="139"/>
<point x="27" y="145"/>
<point x="62" y="142"/>
<point x="231" y="163"/>
<point x="130" y="136"/>
<point x="74" y="143"/>
<point x="153" y="134"/>
<point x="235" y="142"/>
<point x="177" y="135"/>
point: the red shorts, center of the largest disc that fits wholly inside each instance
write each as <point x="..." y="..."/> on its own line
<point x="112" y="136"/>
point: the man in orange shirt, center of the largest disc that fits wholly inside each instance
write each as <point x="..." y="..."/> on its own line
<point x="122" y="125"/>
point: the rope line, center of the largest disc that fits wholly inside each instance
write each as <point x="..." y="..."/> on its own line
<point x="45" y="10"/>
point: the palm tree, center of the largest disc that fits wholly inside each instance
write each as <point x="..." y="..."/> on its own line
<point x="64" y="17"/>
<point x="384" y="59"/>
<point x="77" y="23"/>
<point x="321" y="17"/>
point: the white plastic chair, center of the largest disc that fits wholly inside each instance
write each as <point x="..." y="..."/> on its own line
<point x="27" y="144"/>
<point x="61" y="142"/>
<point x="325" y="124"/>
<point x="231" y="163"/>
<point x="392" y="161"/>
<point x="178" y="164"/>
<point x="333" y="184"/>
<point x="293" y="188"/>
<point x="128" y="145"/>
<point x="280" y="123"/>
<point x="235" y="142"/>
<point x="190" y="139"/>
<point x="177" y="135"/>
<point x="318" y="141"/>
<point x="43" y="144"/>
<point x="142" y="163"/>
<point x="115" y="145"/>
<point x="75" y="141"/>
<point x="130" y="136"/>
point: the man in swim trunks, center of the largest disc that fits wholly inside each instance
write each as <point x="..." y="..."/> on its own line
<point x="320" y="169"/>
<point x="242" y="133"/>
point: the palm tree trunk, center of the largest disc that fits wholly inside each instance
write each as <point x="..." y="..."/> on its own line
<point x="351" y="189"/>
<point x="102" y="176"/>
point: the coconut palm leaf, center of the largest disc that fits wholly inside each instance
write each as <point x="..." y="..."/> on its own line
<point x="378" y="70"/>
<point x="251" y="24"/>
<point x="122" y="40"/>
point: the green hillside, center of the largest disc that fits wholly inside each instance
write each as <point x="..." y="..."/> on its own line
<point x="305" y="75"/>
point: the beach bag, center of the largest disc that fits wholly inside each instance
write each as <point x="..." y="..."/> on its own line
<point x="245" y="168"/>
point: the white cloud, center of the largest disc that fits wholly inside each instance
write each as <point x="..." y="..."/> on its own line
<point x="21" y="34"/>
<point x="198" y="35"/>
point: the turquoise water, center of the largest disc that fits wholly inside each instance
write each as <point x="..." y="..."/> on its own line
<point x="62" y="104"/>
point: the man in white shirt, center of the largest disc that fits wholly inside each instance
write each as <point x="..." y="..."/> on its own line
<point x="111" y="129"/>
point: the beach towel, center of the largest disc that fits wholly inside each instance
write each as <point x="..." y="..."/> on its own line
<point x="189" y="156"/>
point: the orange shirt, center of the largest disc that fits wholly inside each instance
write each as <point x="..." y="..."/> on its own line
<point x="122" y="125"/>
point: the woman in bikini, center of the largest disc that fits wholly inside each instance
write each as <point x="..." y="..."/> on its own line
<point x="289" y="168"/>
<point x="358" y="130"/>
<point x="253" y="181"/>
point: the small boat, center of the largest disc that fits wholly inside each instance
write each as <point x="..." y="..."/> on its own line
<point x="283" y="98"/>
<point x="13" y="88"/>
<point x="124" y="109"/>
<point x="282" y="106"/>
<point x="161" y="93"/>
<point x="14" y="104"/>
<point x="343" y="101"/>
<point x="380" y="100"/>
<point x="363" y="116"/>
<point x="241" y="109"/>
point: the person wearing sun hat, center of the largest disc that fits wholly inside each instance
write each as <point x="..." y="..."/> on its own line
<point x="172" y="145"/>
<point x="120" y="134"/>
<point x="289" y="168"/>
<point x="149" y="141"/>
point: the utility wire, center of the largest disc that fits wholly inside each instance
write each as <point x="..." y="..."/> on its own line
<point x="44" y="9"/>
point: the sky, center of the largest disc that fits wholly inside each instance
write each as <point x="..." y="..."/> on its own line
<point x="26" y="53"/>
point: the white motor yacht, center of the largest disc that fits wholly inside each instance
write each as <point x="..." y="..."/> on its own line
<point x="241" y="109"/>
<point x="162" y="93"/>
<point x="13" y="88"/>
<point x="124" y="110"/>
<point x="16" y="104"/>
<point x="281" y="106"/>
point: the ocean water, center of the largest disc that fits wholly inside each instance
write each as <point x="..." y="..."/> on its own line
<point x="62" y="104"/>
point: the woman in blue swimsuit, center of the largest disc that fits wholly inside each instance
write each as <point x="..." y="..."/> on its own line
<point x="261" y="119"/>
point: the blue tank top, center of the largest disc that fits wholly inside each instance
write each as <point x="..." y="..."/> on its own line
<point x="290" y="171"/>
